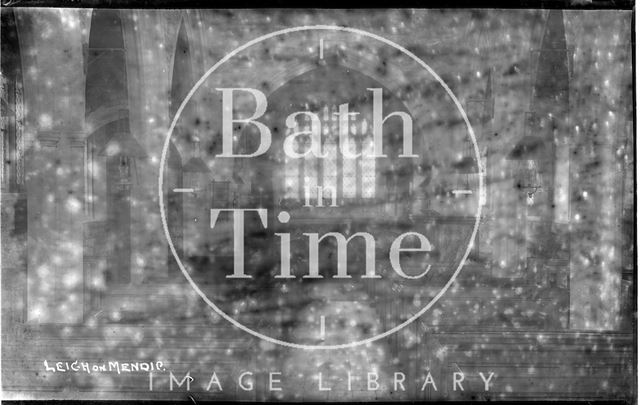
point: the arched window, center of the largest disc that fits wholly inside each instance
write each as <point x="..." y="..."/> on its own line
<point x="338" y="173"/>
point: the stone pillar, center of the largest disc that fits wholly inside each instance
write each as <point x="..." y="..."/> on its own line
<point x="54" y="164"/>
<point x="13" y="259"/>
<point x="596" y="273"/>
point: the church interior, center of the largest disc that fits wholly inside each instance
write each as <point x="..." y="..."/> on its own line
<point x="547" y="294"/>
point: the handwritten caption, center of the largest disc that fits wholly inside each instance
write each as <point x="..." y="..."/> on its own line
<point x="103" y="367"/>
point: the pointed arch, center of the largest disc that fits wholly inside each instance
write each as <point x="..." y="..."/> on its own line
<point x="108" y="202"/>
<point x="181" y="82"/>
<point x="182" y="72"/>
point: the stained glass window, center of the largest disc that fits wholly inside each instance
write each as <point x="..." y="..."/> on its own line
<point x="358" y="175"/>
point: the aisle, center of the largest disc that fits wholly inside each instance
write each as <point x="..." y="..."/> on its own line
<point x="325" y="373"/>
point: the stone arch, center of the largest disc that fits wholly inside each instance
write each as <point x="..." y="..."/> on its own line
<point x="111" y="149"/>
<point x="181" y="81"/>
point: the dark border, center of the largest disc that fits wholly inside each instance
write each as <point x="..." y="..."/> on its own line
<point x="192" y="401"/>
<point x="372" y="4"/>
<point x="326" y="4"/>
